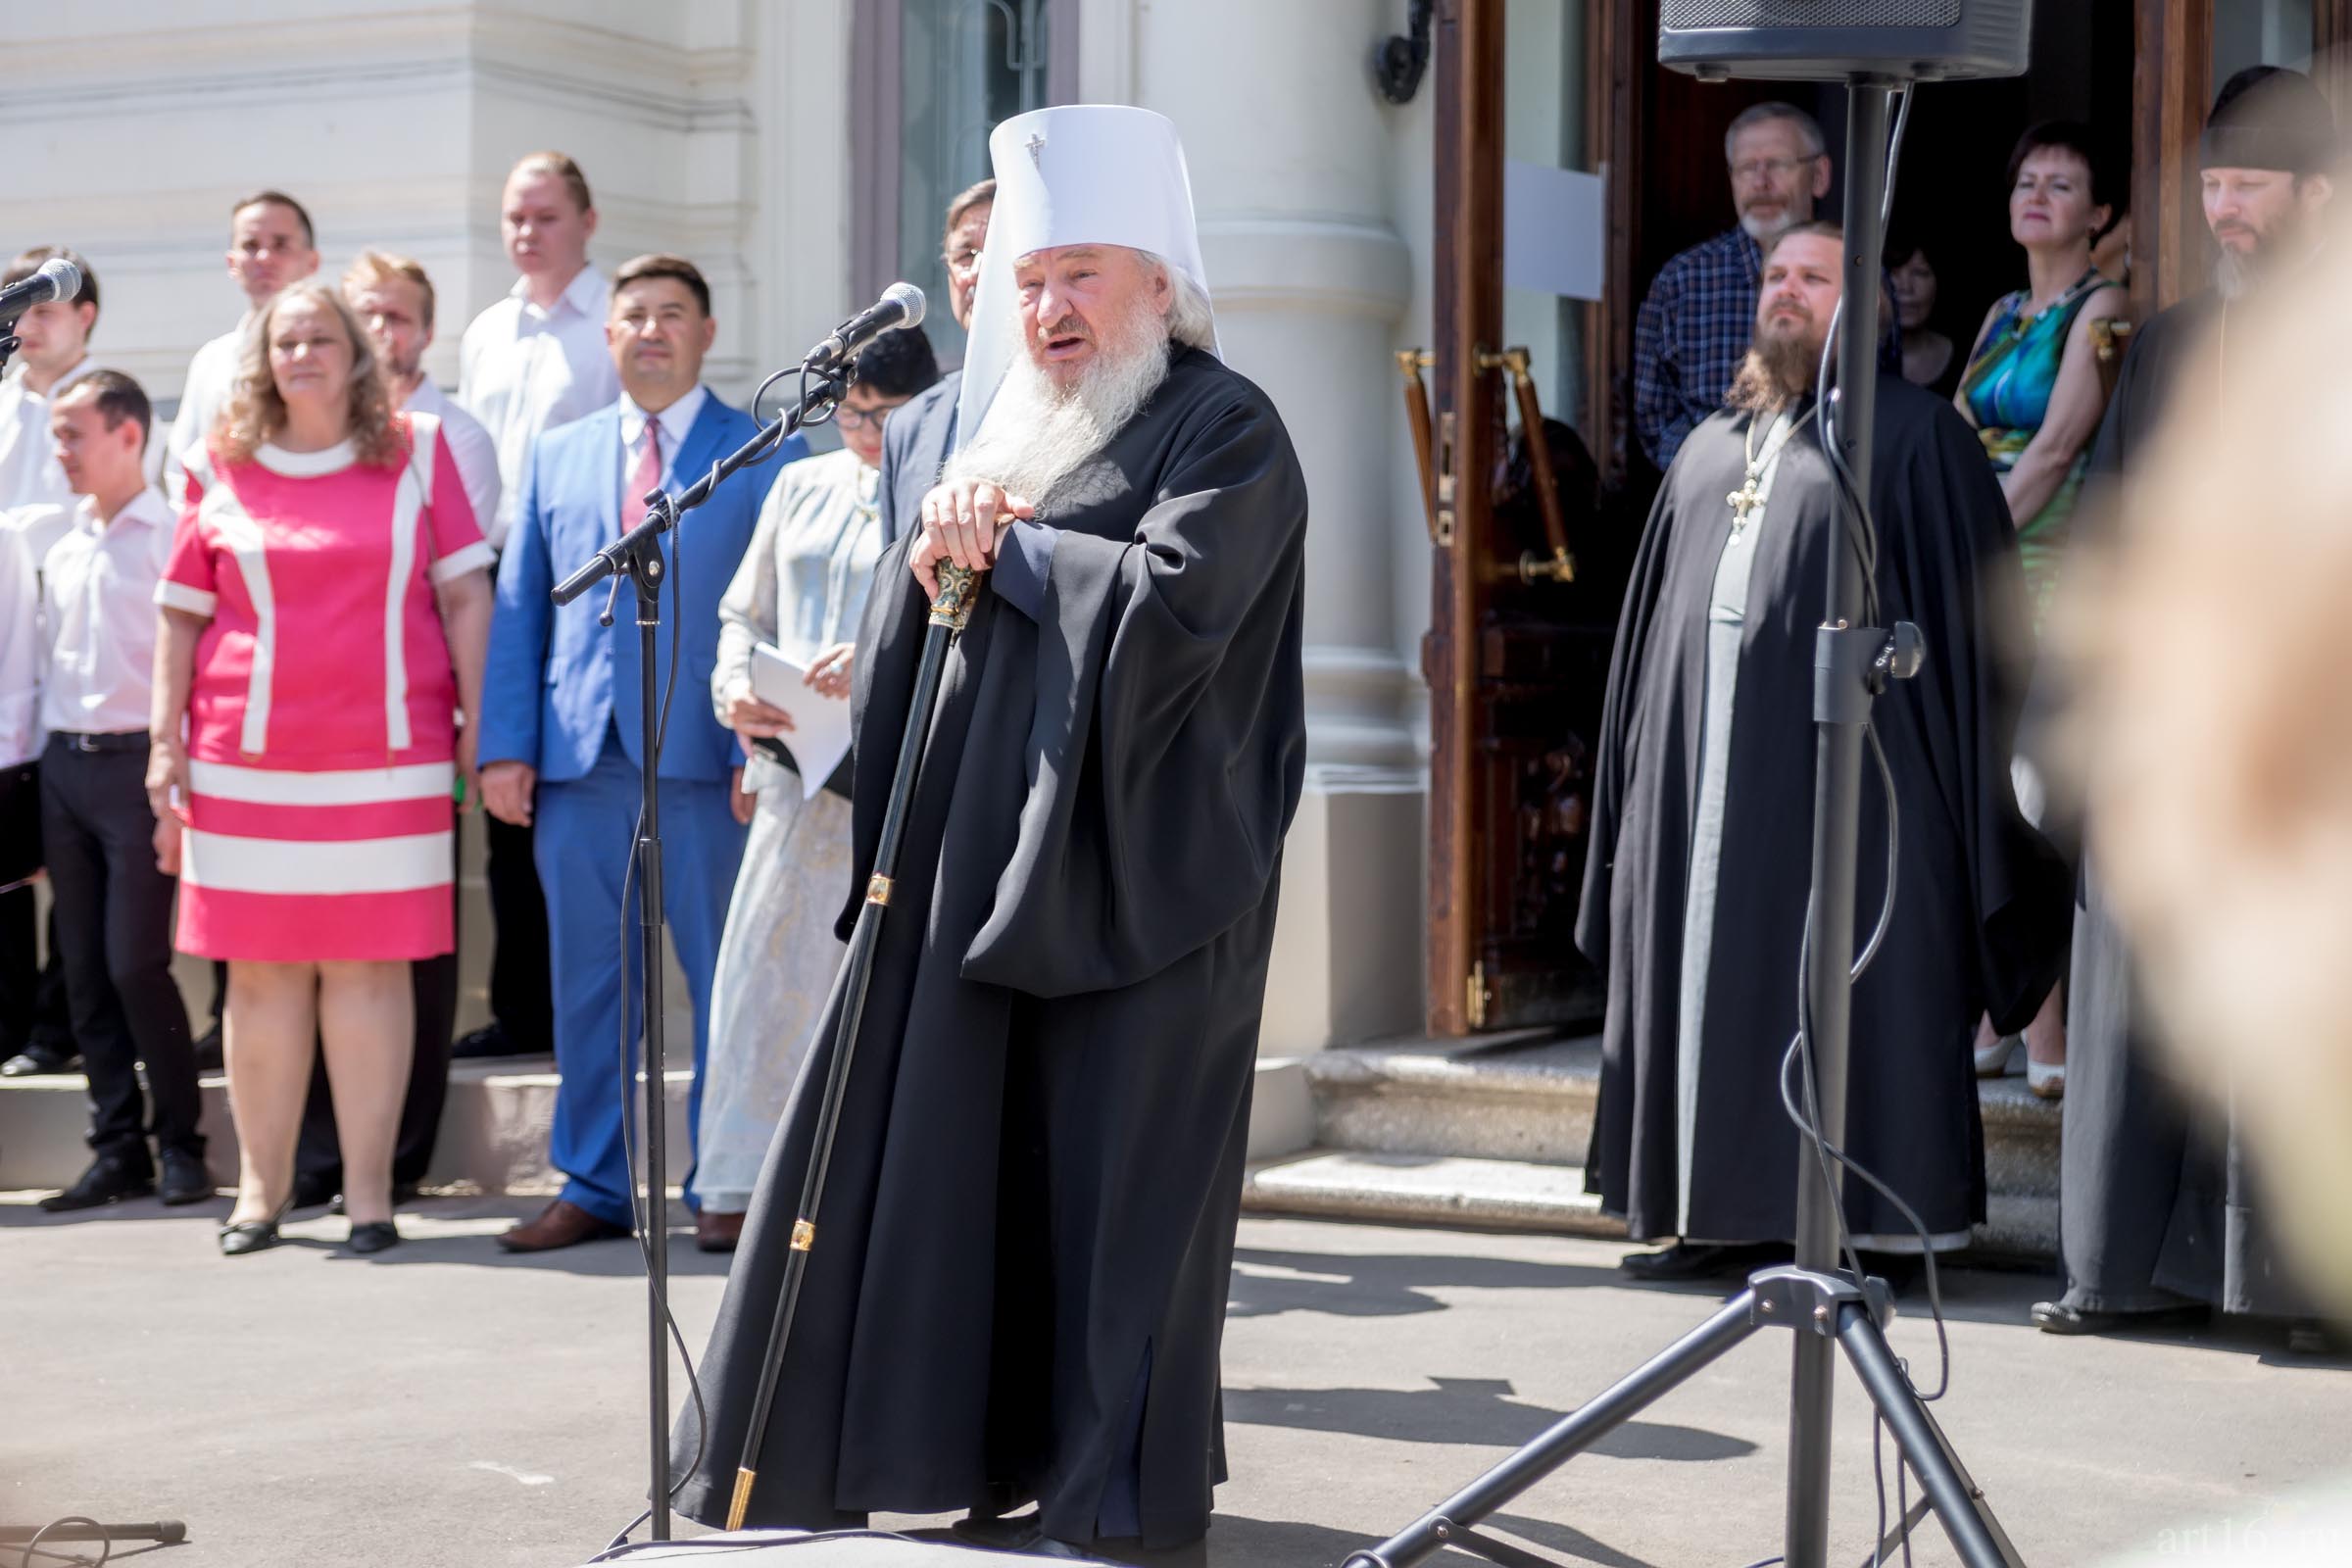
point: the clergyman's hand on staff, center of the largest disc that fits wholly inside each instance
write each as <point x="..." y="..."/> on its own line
<point x="961" y="521"/>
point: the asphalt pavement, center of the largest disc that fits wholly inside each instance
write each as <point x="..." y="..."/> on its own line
<point x="444" y="1405"/>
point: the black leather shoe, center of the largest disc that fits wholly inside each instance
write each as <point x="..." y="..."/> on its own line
<point x="109" y="1179"/>
<point x="374" y="1236"/>
<point x="2057" y="1318"/>
<point x="1700" y="1260"/>
<point x="184" y="1178"/>
<point x="998" y="1531"/>
<point x="489" y="1043"/>
<point x="208" y="1051"/>
<point x="35" y="1061"/>
<point x="252" y="1235"/>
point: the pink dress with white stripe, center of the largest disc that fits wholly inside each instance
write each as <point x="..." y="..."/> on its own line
<point x="322" y="730"/>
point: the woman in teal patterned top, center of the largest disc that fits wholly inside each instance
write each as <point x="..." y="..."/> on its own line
<point x="2033" y="387"/>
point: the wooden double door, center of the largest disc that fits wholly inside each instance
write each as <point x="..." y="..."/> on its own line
<point x="1516" y="669"/>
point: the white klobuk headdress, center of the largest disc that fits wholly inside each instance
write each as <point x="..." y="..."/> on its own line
<point x="1080" y="175"/>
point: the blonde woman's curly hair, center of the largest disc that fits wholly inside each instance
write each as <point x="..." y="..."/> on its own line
<point x="255" y="413"/>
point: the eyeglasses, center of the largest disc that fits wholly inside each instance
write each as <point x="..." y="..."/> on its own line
<point x="849" y="418"/>
<point x="1775" y="167"/>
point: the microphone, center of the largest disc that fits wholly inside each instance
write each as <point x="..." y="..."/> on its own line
<point x="60" y="279"/>
<point x="900" y="305"/>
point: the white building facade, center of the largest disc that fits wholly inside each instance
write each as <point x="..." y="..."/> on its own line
<point x="799" y="151"/>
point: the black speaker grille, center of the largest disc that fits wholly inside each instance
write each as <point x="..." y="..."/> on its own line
<point x="1696" y="14"/>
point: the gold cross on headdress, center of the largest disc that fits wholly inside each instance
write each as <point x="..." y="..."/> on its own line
<point x="1037" y="148"/>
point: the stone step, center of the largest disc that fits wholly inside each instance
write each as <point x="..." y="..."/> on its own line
<point x="1495" y="1132"/>
<point x="494" y="1128"/>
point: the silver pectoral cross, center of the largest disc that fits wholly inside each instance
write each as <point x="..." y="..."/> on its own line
<point x="1037" y="148"/>
<point x="1744" y="501"/>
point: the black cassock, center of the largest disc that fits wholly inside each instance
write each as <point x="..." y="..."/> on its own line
<point x="1019" y="1284"/>
<point x="1981" y="901"/>
<point x="2159" y="1201"/>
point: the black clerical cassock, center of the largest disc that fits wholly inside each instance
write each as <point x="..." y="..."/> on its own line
<point x="1019" y="1282"/>
<point x="1714" y="666"/>
<point x="2162" y="1208"/>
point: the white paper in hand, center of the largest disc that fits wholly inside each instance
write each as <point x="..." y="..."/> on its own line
<point x="819" y="737"/>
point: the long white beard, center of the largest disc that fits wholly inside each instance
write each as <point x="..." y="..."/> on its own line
<point x="1036" y="434"/>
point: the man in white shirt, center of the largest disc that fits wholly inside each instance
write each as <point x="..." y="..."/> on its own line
<point x="270" y="244"/>
<point x="533" y="360"/>
<point x="99" y="836"/>
<point x="53" y="352"/>
<point x="36" y="504"/>
<point x="393" y="298"/>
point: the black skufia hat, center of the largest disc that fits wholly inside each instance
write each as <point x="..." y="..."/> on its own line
<point x="2266" y="117"/>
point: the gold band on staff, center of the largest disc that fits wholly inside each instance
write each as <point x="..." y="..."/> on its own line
<point x="877" y="890"/>
<point x="958" y="588"/>
<point x="804" y="1235"/>
<point x="741" y="1502"/>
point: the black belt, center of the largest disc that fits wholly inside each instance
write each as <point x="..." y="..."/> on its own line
<point x="120" y="741"/>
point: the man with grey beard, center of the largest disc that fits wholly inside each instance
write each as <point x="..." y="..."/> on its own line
<point x="1696" y="881"/>
<point x="2160" y="1223"/>
<point x="1028" y="1220"/>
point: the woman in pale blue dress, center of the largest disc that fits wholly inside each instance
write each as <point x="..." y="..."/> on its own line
<point x="801" y="588"/>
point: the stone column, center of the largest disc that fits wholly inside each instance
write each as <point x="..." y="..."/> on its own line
<point x="1311" y="276"/>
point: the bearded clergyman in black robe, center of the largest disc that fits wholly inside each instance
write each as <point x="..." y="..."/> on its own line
<point x="1017" y="1286"/>
<point x="1696" y="887"/>
<point x="2161" y="1220"/>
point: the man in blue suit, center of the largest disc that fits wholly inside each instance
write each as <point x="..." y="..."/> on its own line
<point x="560" y="716"/>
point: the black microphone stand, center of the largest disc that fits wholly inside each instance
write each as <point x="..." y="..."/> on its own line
<point x="637" y="556"/>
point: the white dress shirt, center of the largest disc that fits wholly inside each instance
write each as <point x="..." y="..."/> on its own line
<point x="468" y="443"/>
<point x="98" y="592"/>
<point x="201" y="395"/>
<point x="676" y="421"/>
<point x="19" y="655"/>
<point x="29" y="467"/>
<point x="522" y="370"/>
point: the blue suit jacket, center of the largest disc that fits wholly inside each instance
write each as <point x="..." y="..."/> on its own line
<point x="556" y="679"/>
<point x="914" y="448"/>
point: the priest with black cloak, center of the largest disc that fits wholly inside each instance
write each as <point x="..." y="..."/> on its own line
<point x="1696" y="882"/>
<point x="1017" y="1287"/>
<point x="2162" y="1222"/>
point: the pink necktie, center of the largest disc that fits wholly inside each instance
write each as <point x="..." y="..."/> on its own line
<point x="647" y="475"/>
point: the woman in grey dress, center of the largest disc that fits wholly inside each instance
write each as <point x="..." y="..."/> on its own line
<point x="801" y="588"/>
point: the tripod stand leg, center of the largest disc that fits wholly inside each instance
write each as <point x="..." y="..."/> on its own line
<point x="1959" y="1505"/>
<point x="1567" y="1438"/>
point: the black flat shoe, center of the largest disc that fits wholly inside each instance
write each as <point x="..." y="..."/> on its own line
<point x="374" y="1236"/>
<point x="2056" y="1317"/>
<point x="35" y="1061"/>
<point x="252" y="1235"/>
<point x="184" y="1178"/>
<point x="1699" y="1260"/>
<point x="109" y="1179"/>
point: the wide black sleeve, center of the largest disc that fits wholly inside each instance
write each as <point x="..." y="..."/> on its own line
<point x="1612" y="765"/>
<point x="1945" y="526"/>
<point x="1167" y="744"/>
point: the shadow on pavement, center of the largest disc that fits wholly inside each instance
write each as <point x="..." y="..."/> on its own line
<point x="1239" y="1542"/>
<point x="1462" y="1410"/>
<point x="1267" y="1283"/>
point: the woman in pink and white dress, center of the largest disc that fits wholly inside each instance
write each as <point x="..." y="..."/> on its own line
<point x="324" y="615"/>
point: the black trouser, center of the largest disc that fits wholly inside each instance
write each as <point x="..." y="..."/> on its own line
<point x="320" y="1154"/>
<point x="521" y="989"/>
<point x="33" y="1014"/>
<point x="113" y="927"/>
<point x="34" y="1011"/>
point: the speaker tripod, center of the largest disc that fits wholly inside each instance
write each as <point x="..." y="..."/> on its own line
<point x="1828" y="1311"/>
